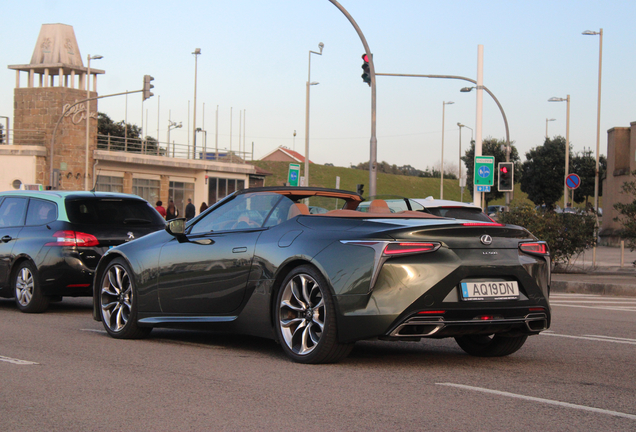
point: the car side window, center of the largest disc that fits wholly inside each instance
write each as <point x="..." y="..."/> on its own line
<point x="12" y="212"/>
<point x="246" y="211"/>
<point x="41" y="212"/>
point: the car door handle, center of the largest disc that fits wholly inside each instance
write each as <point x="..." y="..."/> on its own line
<point x="6" y="239"/>
<point x="239" y="250"/>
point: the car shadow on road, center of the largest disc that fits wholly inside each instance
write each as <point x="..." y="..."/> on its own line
<point x="67" y="305"/>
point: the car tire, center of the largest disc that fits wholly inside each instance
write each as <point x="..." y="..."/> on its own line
<point x="118" y="302"/>
<point x="305" y="319"/>
<point x="27" y="290"/>
<point x="490" y="345"/>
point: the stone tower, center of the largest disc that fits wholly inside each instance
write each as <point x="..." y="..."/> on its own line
<point x="57" y="79"/>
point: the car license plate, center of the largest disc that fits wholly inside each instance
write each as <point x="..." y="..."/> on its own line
<point x="503" y="290"/>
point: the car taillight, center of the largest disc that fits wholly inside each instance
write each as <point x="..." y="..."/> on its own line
<point x="73" y="238"/>
<point x="411" y="247"/>
<point x="534" y="248"/>
<point x="482" y="224"/>
<point x="433" y="312"/>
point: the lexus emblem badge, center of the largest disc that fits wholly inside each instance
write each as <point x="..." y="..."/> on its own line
<point x="486" y="239"/>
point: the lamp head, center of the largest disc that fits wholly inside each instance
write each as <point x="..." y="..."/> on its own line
<point x="197" y="51"/>
<point x="555" y="99"/>
<point x="321" y="46"/>
<point x="466" y="89"/>
<point x="460" y="125"/>
<point x="590" y="33"/>
<point x="96" y="57"/>
<point x="448" y="103"/>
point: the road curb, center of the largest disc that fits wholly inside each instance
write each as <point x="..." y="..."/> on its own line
<point x="570" y="287"/>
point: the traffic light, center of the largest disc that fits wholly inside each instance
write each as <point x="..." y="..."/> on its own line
<point x="147" y="86"/>
<point x="366" y="74"/>
<point x="506" y="176"/>
<point x="360" y="189"/>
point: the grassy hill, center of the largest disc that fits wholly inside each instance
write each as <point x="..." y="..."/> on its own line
<point x="387" y="184"/>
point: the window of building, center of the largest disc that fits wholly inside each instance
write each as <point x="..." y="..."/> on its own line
<point x="219" y="188"/>
<point x="179" y="193"/>
<point x="147" y="189"/>
<point x="110" y="184"/>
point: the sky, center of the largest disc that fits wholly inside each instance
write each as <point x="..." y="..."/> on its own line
<point x="255" y="60"/>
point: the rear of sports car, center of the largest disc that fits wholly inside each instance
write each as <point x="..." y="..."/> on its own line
<point x="485" y="284"/>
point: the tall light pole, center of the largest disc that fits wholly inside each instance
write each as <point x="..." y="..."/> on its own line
<point x="88" y="116"/>
<point x="546" y="126"/>
<point x="171" y="125"/>
<point x="441" y="182"/>
<point x="567" y="146"/>
<point x="598" y="113"/>
<point x="197" y="52"/>
<point x="309" y="83"/>
<point x="460" y="158"/>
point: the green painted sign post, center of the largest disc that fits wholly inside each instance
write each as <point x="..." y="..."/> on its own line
<point x="293" y="176"/>
<point x="484" y="171"/>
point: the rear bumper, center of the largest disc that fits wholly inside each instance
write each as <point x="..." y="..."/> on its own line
<point x="438" y="327"/>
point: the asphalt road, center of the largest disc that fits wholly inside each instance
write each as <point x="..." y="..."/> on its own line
<point x="61" y="372"/>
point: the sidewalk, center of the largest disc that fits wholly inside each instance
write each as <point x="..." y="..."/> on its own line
<point x="606" y="278"/>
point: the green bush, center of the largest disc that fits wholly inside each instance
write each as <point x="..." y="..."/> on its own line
<point x="567" y="234"/>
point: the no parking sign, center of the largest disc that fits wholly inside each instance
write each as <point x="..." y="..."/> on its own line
<point x="573" y="181"/>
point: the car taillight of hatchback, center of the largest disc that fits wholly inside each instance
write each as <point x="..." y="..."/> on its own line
<point x="73" y="238"/>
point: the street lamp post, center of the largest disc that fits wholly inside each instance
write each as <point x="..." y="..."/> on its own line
<point x="205" y="141"/>
<point x="197" y="52"/>
<point x="546" y="126"/>
<point x="505" y="119"/>
<point x="309" y="83"/>
<point x="441" y="181"/>
<point x="598" y="129"/>
<point x="598" y="113"/>
<point x="172" y="125"/>
<point x="567" y="146"/>
<point x="88" y="116"/>
<point x="460" y="159"/>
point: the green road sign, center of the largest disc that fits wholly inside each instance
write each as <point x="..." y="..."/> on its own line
<point x="294" y="174"/>
<point x="484" y="171"/>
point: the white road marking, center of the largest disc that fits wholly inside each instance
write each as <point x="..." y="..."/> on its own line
<point x="17" y="361"/>
<point x="541" y="400"/>
<point x="612" y="337"/>
<point x="611" y="308"/>
<point x="594" y="338"/>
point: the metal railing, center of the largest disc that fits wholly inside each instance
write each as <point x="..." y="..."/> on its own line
<point x="172" y="150"/>
<point x="22" y="137"/>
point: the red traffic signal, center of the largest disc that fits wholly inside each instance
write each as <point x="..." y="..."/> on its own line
<point x="366" y="74"/>
<point x="506" y="177"/>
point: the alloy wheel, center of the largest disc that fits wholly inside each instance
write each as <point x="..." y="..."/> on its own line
<point x="116" y="298"/>
<point x="24" y="286"/>
<point x="302" y="314"/>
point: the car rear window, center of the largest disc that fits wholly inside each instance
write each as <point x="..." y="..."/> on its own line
<point x="112" y="211"/>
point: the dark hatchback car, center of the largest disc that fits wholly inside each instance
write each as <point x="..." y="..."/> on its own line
<point x="51" y="242"/>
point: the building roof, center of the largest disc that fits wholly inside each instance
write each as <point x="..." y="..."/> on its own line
<point x="294" y="155"/>
<point x="55" y="49"/>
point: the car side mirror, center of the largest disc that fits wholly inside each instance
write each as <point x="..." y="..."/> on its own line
<point x="176" y="227"/>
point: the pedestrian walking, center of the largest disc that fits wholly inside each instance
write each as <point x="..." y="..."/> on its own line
<point x="160" y="208"/>
<point x="171" y="211"/>
<point x="190" y="211"/>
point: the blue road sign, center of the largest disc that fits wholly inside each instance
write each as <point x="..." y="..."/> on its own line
<point x="573" y="181"/>
<point x="483" y="188"/>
